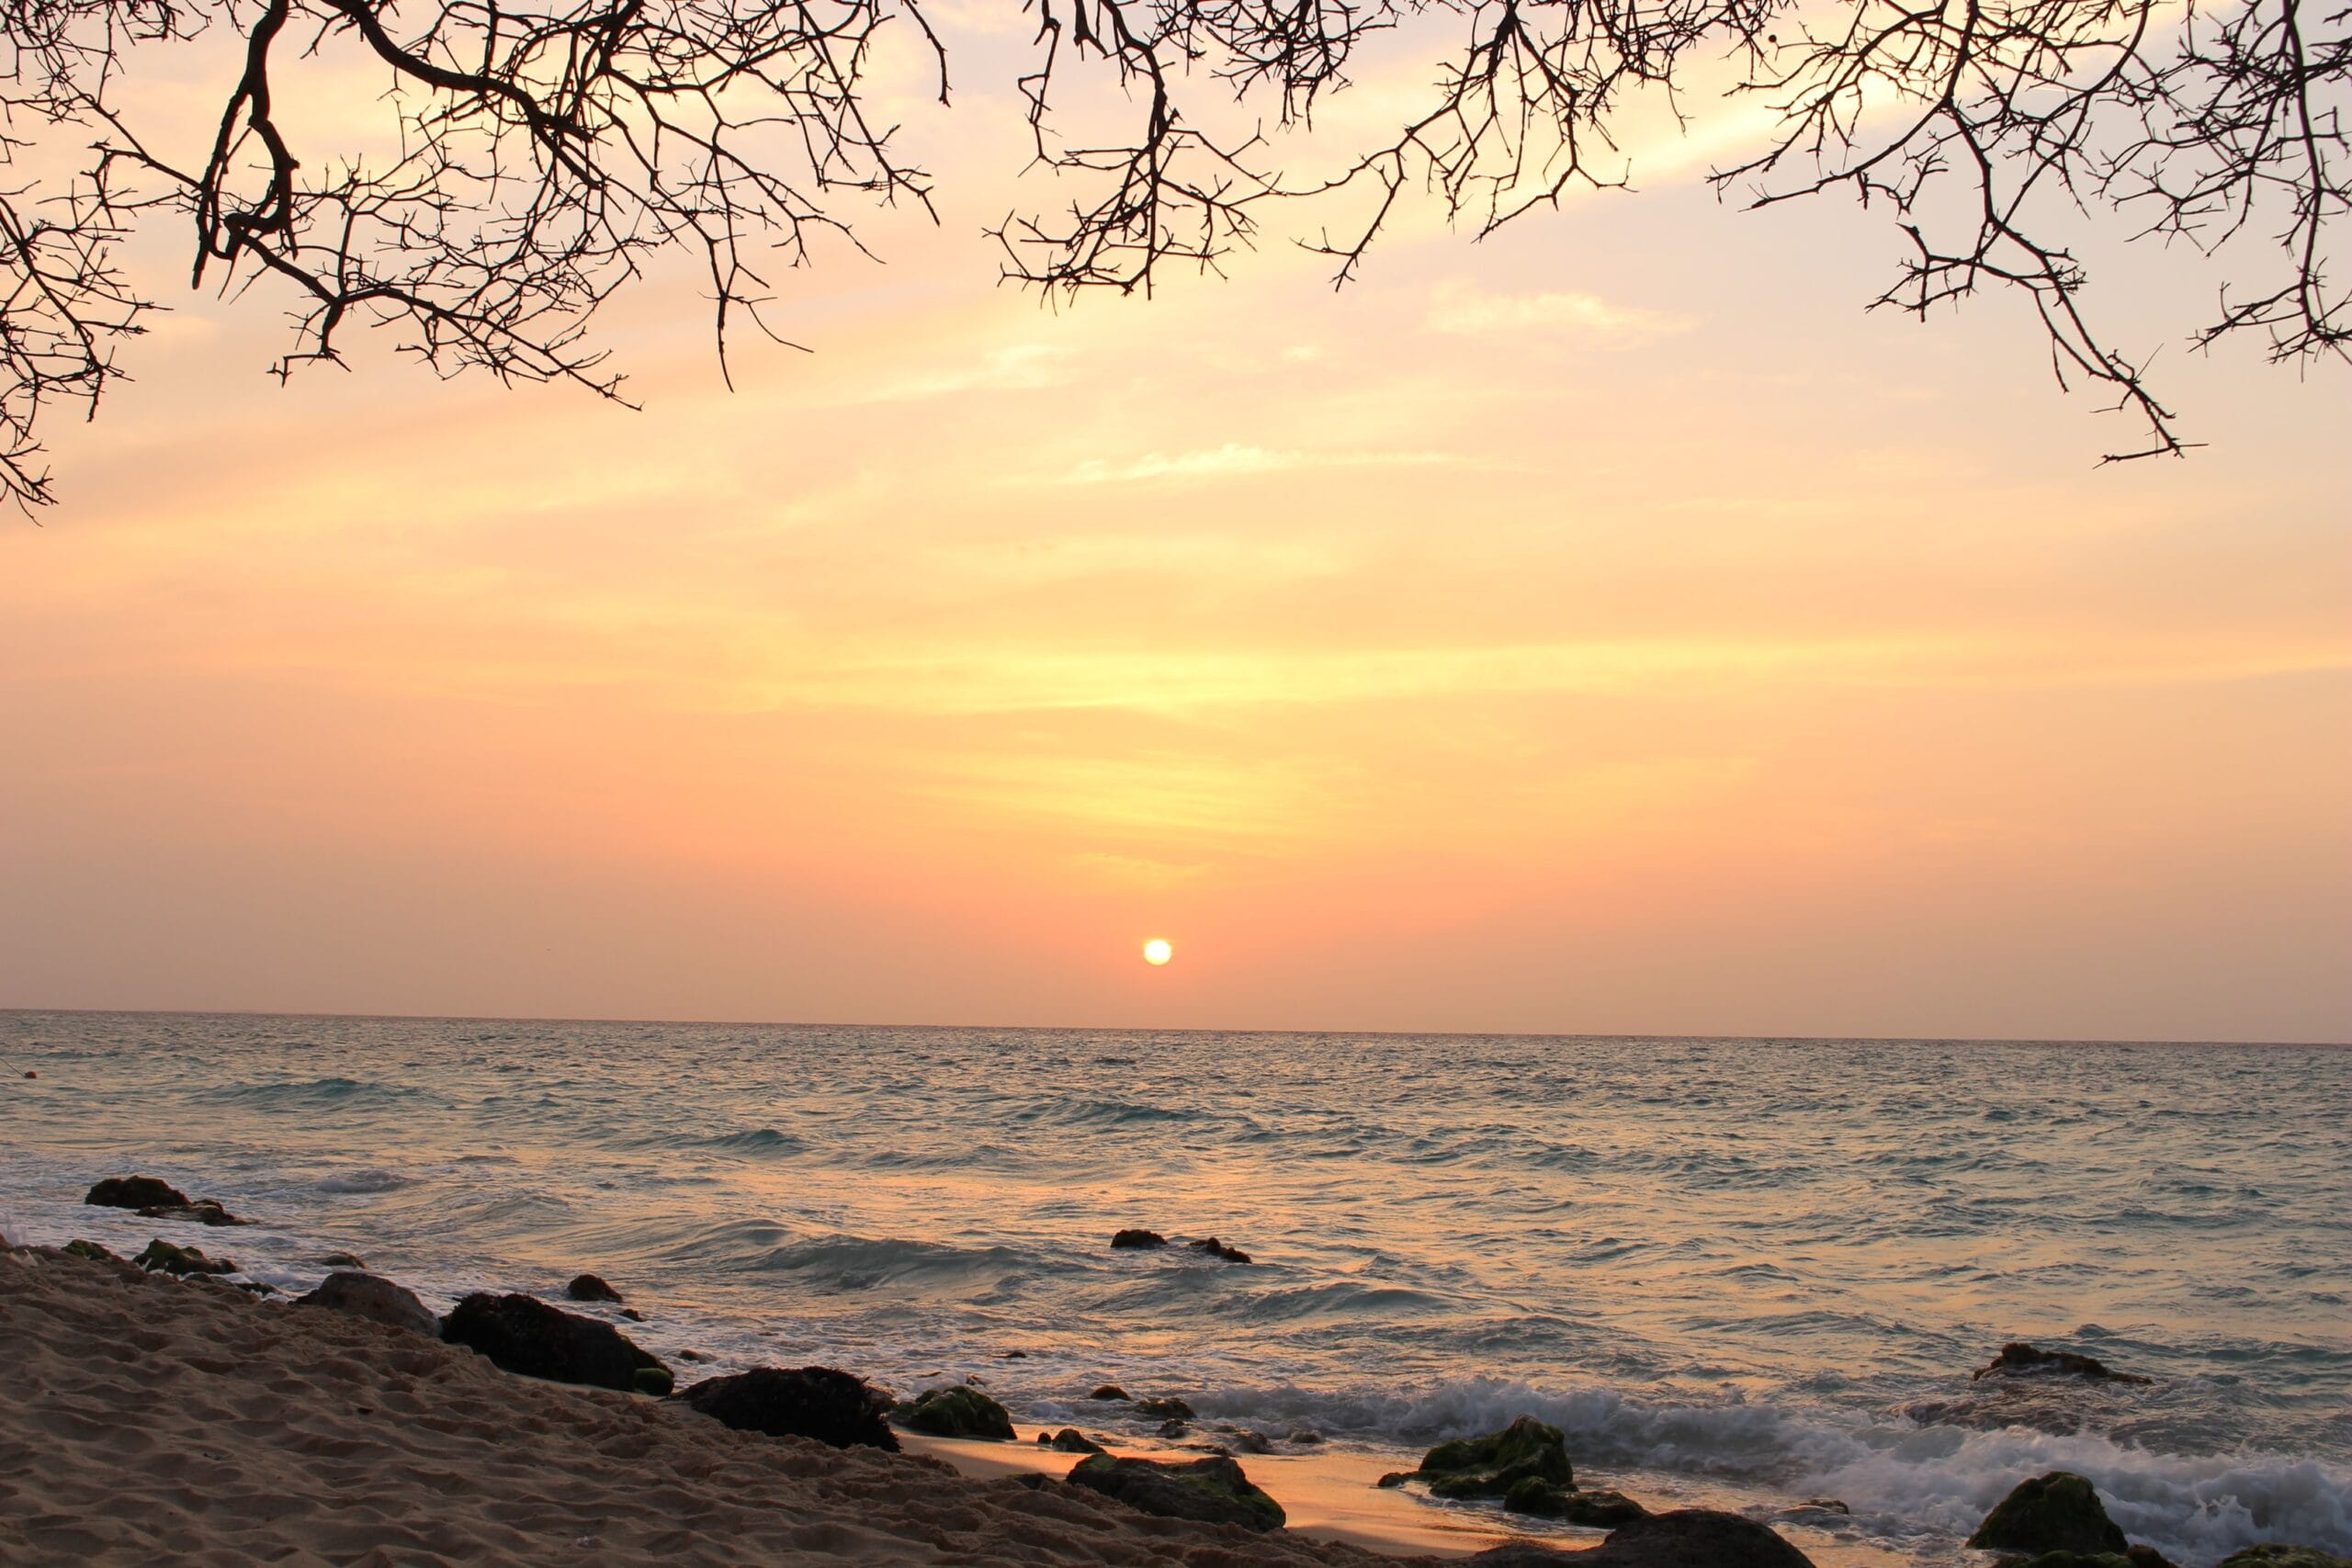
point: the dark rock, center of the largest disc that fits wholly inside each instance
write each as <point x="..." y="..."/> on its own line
<point x="523" y="1334"/>
<point x="1393" y="1478"/>
<point x="1130" y="1239"/>
<point x="161" y="1255"/>
<point x="343" y="1260"/>
<point x="257" y="1287"/>
<point x="89" y="1249"/>
<point x="31" y="1074"/>
<point x="1014" y="1355"/>
<point x="819" y="1403"/>
<point x="658" y="1382"/>
<point x="1216" y="1248"/>
<point x="2149" y="1557"/>
<point x="2278" y="1554"/>
<point x="632" y="1314"/>
<point x="1692" y="1538"/>
<point x="692" y="1355"/>
<point x="1070" y="1441"/>
<point x="2019" y="1360"/>
<point x="1172" y="1427"/>
<point x="1109" y="1391"/>
<point x="957" y="1411"/>
<point x="1247" y="1441"/>
<point x="374" y="1297"/>
<point x="589" y="1288"/>
<point x="1828" y="1505"/>
<point x="1213" y="1490"/>
<point x="1490" y="1466"/>
<point x="1526" y="1555"/>
<point x="1304" y="1437"/>
<point x="2057" y="1512"/>
<point x="135" y="1192"/>
<point x="1168" y="1408"/>
<point x="1599" y="1510"/>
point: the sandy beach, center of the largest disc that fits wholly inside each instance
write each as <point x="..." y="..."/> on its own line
<point x="148" y="1419"/>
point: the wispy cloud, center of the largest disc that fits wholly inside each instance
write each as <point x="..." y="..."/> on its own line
<point x="1234" y="460"/>
<point x="1464" y="309"/>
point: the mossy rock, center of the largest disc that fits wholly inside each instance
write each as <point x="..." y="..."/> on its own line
<point x="957" y="1411"/>
<point x="162" y="1255"/>
<point x="1393" y="1478"/>
<point x="2057" y="1512"/>
<point x="89" y="1249"/>
<point x="1170" y="1408"/>
<point x="1070" y="1441"/>
<point x="1213" y="1490"/>
<point x="2278" y="1554"/>
<point x="1490" y="1466"/>
<point x="2079" y="1560"/>
<point x="655" y="1381"/>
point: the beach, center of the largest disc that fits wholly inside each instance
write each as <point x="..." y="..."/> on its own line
<point x="148" y="1419"/>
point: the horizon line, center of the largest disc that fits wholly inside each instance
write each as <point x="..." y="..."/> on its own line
<point x="1149" y="1029"/>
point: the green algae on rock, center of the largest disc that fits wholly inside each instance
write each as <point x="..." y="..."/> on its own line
<point x="957" y="1411"/>
<point x="1490" y="1466"/>
<point x="2278" y="1555"/>
<point x="1213" y="1490"/>
<point x="1600" y="1510"/>
<point x="2057" y="1512"/>
<point x="160" y="1255"/>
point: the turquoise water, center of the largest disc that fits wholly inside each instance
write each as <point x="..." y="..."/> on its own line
<point x="1743" y="1270"/>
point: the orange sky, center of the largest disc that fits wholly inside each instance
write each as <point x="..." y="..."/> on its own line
<point x="1606" y="628"/>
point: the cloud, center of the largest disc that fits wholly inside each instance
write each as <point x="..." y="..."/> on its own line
<point x="1463" y="310"/>
<point x="1234" y="460"/>
<point x="1015" y="368"/>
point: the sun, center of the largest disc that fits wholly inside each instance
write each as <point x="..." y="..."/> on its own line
<point x="1158" y="951"/>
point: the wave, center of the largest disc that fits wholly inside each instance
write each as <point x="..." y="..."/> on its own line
<point x="314" y="1095"/>
<point x="361" y="1182"/>
<point x="1901" y="1479"/>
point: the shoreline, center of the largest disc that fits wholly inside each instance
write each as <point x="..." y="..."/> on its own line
<point x="156" y="1418"/>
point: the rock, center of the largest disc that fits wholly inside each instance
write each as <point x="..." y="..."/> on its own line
<point x="1304" y="1437"/>
<point x="2149" y="1557"/>
<point x="819" y="1403"/>
<point x="1247" y="1441"/>
<point x="957" y="1411"/>
<point x="257" y="1287"/>
<point x="1070" y="1441"/>
<point x="1109" y="1391"/>
<point x="135" y="1192"/>
<point x="632" y="1314"/>
<point x="1393" y="1478"/>
<point x="692" y="1355"/>
<point x="1172" y="1427"/>
<point x="374" y="1297"/>
<point x="523" y="1334"/>
<point x="1213" y="1490"/>
<point x="1168" y="1408"/>
<point x="1828" y="1505"/>
<point x="343" y="1260"/>
<point x="2075" y="1560"/>
<point x="1216" y="1248"/>
<point x="1014" y="1355"/>
<point x="2019" y="1360"/>
<point x="2057" y="1512"/>
<point x="589" y="1288"/>
<point x="31" y="1074"/>
<point x="89" y="1249"/>
<point x="2278" y="1554"/>
<point x="1490" y="1466"/>
<point x="1125" y="1240"/>
<point x="1599" y="1510"/>
<point x="1691" y="1538"/>
<point x="162" y="1256"/>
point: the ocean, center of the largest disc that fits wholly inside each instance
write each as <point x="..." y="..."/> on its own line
<point x="1746" y="1273"/>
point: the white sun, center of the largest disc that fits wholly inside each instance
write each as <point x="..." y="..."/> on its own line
<point x="1158" y="951"/>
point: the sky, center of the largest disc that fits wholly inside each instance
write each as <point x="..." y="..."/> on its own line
<point x="1606" y="628"/>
